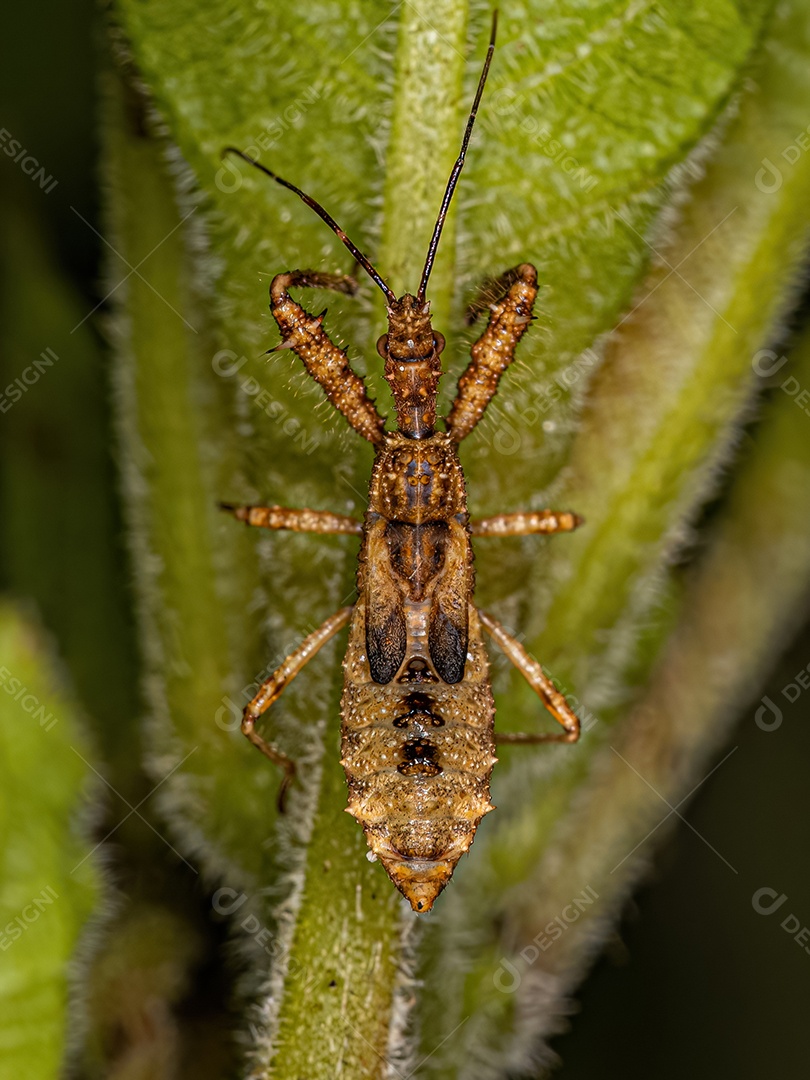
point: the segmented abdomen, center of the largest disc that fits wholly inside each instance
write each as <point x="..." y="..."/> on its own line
<point x="418" y="754"/>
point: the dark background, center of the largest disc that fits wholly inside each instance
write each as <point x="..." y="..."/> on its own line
<point x="694" y="982"/>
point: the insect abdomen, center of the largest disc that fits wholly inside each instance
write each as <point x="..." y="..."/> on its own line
<point x="418" y="755"/>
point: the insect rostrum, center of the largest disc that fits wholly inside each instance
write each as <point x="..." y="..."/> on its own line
<point x="418" y="744"/>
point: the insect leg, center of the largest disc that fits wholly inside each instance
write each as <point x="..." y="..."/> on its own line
<point x="325" y="362"/>
<point x="531" y="671"/>
<point x="272" y="688"/>
<point x="280" y="517"/>
<point x="526" y="522"/>
<point x="495" y="349"/>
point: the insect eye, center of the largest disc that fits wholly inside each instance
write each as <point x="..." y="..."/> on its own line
<point x="382" y="346"/>
<point x="438" y="342"/>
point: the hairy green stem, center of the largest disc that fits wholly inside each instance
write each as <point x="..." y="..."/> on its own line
<point x="425" y="136"/>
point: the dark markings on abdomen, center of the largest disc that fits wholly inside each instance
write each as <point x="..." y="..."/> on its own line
<point x="419" y="708"/>
<point x="419" y="758"/>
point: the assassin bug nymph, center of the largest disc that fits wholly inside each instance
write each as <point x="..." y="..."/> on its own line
<point x="418" y="743"/>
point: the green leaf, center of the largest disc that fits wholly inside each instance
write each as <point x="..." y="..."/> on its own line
<point x="49" y="883"/>
<point x="584" y="135"/>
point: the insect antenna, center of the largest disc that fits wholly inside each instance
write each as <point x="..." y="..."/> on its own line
<point x="459" y="165"/>
<point x="319" y="210"/>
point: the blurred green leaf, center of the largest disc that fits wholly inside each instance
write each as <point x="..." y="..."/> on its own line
<point x="49" y="879"/>
<point x="59" y="533"/>
<point x="134" y="994"/>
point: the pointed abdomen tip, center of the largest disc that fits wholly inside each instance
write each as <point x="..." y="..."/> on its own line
<point x="419" y="882"/>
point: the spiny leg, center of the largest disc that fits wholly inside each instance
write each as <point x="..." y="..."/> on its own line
<point x="531" y="671"/>
<point x="325" y="362"/>
<point x="526" y="523"/>
<point x="272" y="688"/>
<point x="495" y="349"/>
<point x="281" y="517"/>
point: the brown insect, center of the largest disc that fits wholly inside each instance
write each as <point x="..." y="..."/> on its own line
<point x="418" y="744"/>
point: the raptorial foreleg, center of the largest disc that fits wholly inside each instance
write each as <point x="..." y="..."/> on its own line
<point x="494" y="351"/>
<point x="325" y="362"/>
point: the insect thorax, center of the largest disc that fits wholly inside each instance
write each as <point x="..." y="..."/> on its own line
<point x="416" y="481"/>
<point x="415" y="563"/>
